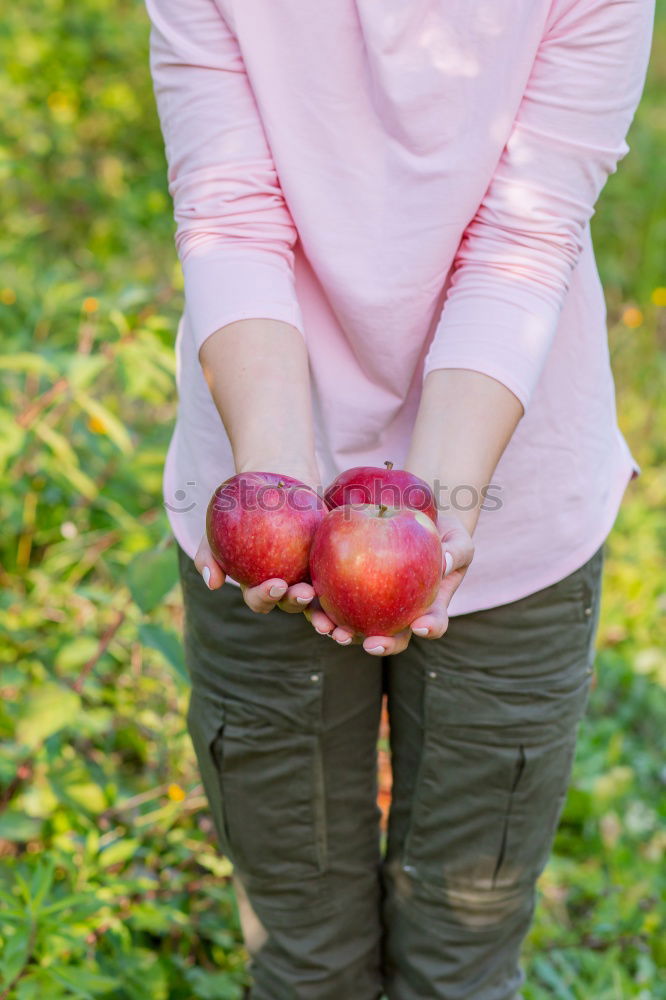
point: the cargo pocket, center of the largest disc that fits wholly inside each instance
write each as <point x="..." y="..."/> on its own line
<point x="271" y="786"/>
<point x="462" y="801"/>
<point x="495" y="765"/>
<point x="533" y="811"/>
<point x="260" y="756"/>
<point x="205" y="719"/>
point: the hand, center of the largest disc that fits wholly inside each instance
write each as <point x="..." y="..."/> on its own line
<point x="262" y="598"/>
<point x="458" y="550"/>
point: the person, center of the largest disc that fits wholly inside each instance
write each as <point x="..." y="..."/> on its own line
<point x="383" y="219"/>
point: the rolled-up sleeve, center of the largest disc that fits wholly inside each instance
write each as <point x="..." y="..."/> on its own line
<point x="234" y="233"/>
<point x="514" y="263"/>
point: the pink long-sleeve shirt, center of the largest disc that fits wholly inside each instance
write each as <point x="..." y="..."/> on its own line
<point x="410" y="184"/>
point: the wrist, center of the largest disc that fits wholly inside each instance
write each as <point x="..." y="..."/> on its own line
<point x="453" y="496"/>
<point x="296" y="467"/>
<point x="468" y="518"/>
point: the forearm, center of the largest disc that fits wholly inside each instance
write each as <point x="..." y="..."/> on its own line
<point x="465" y="421"/>
<point x="258" y="375"/>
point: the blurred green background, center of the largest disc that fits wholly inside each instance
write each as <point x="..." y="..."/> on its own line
<point x="110" y="884"/>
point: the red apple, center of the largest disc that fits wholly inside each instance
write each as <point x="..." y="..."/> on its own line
<point x="388" y="486"/>
<point x="260" y="525"/>
<point x="375" y="568"/>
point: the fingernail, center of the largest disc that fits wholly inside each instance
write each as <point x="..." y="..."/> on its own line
<point x="303" y="600"/>
<point x="343" y="642"/>
<point x="376" y="649"/>
<point x="420" y="631"/>
<point x="448" y="563"/>
<point x="206" y="576"/>
<point x="320" y="632"/>
<point x="277" y="591"/>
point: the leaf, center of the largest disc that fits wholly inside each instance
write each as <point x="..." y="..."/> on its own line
<point x="13" y="916"/>
<point x="151" y="575"/>
<point x="74" y="652"/>
<point x="88" y="796"/>
<point x="42" y="880"/>
<point x="39" y="984"/>
<point x="7" y="899"/>
<point x="82" y="904"/>
<point x="15" y="954"/>
<point x="69" y="466"/>
<point x="13" y="754"/>
<point x="551" y="978"/>
<point x="113" y="428"/>
<point x="168" y="644"/>
<point x="24" y="361"/>
<point x="213" y="985"/>
<point x="145" y="976"/>
<point x="218" y="864"/>
<point x="121" y="850"/>
<point x="85" y="981"/>
<point x="119" y="321"/>
<point x="82" y="369"/>
<point x="45" y="710"/>
<point x="19" y="828"/>
<point x="146" y="916"/>
<point x="12" y="439"/>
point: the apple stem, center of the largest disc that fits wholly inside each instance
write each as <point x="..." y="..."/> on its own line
<point x="389" y="465"/>
<point x="280" y="483"/>
<point x="382" y="509"/>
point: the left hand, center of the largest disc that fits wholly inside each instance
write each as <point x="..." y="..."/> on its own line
<point x="457" y="551"/>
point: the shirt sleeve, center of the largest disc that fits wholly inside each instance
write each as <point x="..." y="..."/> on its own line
<point x="513" y="266"/>
<point x="234" y="233"/>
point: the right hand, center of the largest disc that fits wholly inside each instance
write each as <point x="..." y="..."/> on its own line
<point x="262" y="598"/>
<point x="274" y="592"/>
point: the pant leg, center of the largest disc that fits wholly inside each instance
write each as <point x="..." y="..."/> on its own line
<point x="284" y="724"/>
<point x="483" y="730"/>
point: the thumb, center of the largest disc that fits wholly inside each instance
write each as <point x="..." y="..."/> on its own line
<point x="211" y="571"/>
<point x="457" y="544"/>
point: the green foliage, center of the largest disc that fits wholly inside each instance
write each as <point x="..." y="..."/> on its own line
<point x="110" y="882"/>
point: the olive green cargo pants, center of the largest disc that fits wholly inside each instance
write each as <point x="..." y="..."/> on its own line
<point x="483" y="726"/>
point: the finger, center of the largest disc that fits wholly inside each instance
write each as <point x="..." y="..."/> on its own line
<point x="265" y="596"/>
<point x="326" y="626"/>
<point x="318" y="618"/>
<point x="386" y="645"/>
<point x="297" y="598"/>
<point x="434" y="624"/>
<point x="456" y="542"/>
<point x="211" y="571"/>
<point x="342" y="636"/>
<point x="449" y="585"/>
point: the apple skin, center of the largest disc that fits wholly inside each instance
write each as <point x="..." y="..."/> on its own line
<point x="389" y="486"/>
<point x="375" y="569"/>
<point x="261" y="525"/>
